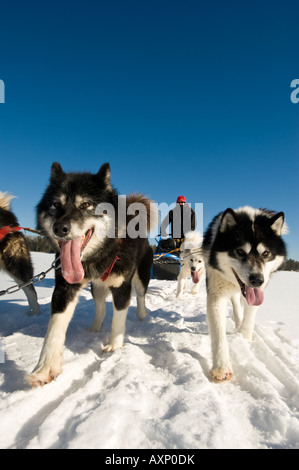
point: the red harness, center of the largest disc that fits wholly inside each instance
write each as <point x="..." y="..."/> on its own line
<point x="7" y="229"/>
<point x="108" y="270"/>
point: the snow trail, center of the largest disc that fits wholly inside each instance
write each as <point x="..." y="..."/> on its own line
<point x="156" y="392"/>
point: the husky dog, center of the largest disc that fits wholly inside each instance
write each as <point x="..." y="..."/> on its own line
<point x="192" y="263"/>
<point x="69" y="216"/>
<point x="14" y="253"/>
<point x="242" y="248"/>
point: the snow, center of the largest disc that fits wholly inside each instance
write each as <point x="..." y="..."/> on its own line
<point x="154" y="393"/>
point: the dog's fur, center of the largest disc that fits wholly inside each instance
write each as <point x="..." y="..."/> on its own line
<point x="14" y="253"/>
<point x="192" y="263"/>
<point x="242" y="248"/>
<point x="68" y="217"/>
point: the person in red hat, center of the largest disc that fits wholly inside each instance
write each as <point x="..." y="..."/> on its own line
<point x="181" y="219"/>
<point x="181" y="200"/>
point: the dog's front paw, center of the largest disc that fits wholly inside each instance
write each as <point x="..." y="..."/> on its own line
<point x="108" y="348"/>
<point x="47" y="370"/>
<point x="114" y="344"/>
<point x="246" y="333"/>
<point x="220" y="374"/>
<point x="33" y="311"/>
<point x="141" y="313"/>
<point x="111" y="347"/>
<point x="42" y="377"/>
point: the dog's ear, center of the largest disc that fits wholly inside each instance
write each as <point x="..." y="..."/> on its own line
<point x="104" y="175"/>
<point x="56" y="172"/>
<point x="278" y="225"/>
<point x="228" y="220"/>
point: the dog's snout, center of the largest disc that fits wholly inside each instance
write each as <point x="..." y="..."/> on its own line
<point x="193" y="268"/>
<point x="61" y="229"/>
<point x="256" y="279"/>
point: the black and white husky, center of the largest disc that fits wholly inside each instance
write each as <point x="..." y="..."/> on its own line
<point x="242" y="248"/>
<point x="192" y="263"/>
<point x="94" y="232"/>
<point x="14" y="253"/>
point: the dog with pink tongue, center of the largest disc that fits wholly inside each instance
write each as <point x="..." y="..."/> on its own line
<point x="192" y="263"/>
<point x="100" y="238"/>
<point x="242" y="248"/>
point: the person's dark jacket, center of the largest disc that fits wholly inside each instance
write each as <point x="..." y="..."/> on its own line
<point x="181" y="219"/>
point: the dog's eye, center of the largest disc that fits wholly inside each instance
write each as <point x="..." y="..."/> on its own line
<point x="56" y="204"/>
<point x="265" y="253"/>
<point x="191" y="260"/>
<point x="85" y="205"/>
<point x="241" y="252"/>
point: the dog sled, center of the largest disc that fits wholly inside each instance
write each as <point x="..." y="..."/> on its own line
<point x="167" y="263"/>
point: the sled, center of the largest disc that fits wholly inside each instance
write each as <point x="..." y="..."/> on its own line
<point x="167" y="263"/>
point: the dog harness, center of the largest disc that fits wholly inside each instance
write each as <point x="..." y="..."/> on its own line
<point x="108" y="270"/>
<point x="7" y="229"/>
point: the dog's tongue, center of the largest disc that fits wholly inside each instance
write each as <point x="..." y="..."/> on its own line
<point x="70" y="257"/>
<point x="254" y="296"/>
<point x="195" y="276"/>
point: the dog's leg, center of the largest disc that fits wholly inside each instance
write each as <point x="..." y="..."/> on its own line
<point x="141" y="281"/>
<point x="21" y="271"/>
<point x="237" y="309"/>
<point x="31" y="295"/>
<point x="140" y="289"/>
<point x="17" y="262"/>
<point x="182" y="282"/>
<point x="49" y="366"/>
<point x="117" y="334"/>
<point x="181" y="285"/>
<point x="216" y="313"/>
<point x="99" y="293"/>
<point x="195" y="288"/>
<point x="247" y="325"/>
<point x="121" y="302"/>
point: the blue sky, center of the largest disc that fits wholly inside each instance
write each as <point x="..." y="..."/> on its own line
<point x="180" y="97"/>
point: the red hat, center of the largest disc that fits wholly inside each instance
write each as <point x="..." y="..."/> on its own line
<point x="181" y="199"/>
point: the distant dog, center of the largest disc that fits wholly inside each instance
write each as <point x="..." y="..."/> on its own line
<point x="242" y="248"/>
<point x="14" y="253"/>
<point x="192" y="263"/>
<point x="79" y="213"/>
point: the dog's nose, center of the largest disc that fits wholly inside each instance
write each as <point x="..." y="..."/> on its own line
<point x="61" y="229"/>
<point x="192" y="268"/>
<point x="256" y="280"/>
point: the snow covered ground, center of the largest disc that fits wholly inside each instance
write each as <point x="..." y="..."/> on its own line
<point x="155" y="393"/>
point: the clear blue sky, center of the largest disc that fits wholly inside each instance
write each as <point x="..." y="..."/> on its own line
<point x="180" y="97"/>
